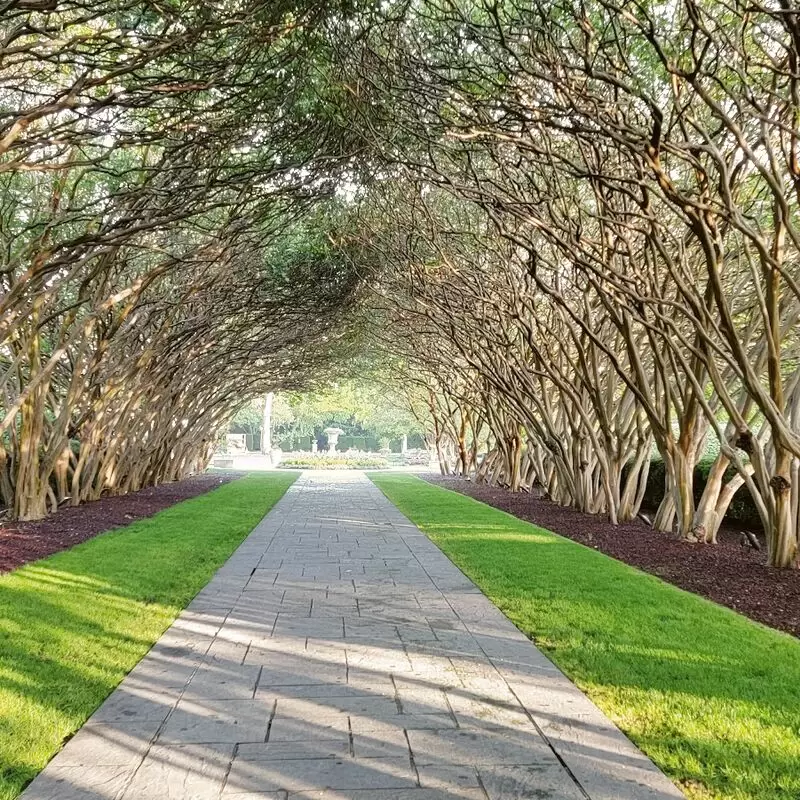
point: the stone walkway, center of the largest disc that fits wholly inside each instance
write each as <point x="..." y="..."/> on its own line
<point x="339" y="655"/>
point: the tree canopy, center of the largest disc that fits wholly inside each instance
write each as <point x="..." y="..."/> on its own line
<point x="571" y="227"/>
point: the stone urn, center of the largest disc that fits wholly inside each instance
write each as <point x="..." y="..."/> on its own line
<point x="333" y="435"/>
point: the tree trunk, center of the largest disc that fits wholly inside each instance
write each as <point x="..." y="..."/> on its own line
<point x="716" y="499"/>
<point x="515" y="458"/>
<point x="782" y="541"/>
<point x="706" y="518"/>
<point x="266" y="425"/>
<point x="679" y="492"/>
<point x="635" y="485"/>
<point x="30" y="496"/>
<point x="444" y="467"/>
<point x="683" y="489"/>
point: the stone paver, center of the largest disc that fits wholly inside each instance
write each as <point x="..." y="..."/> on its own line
<point x="339" y="655"/>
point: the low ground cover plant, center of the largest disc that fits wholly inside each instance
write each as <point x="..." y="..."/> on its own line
<point x="333" y="462"/>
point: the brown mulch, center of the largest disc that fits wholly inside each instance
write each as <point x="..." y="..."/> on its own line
<point x="727" y="573"/>
<point x="21" y="542"/>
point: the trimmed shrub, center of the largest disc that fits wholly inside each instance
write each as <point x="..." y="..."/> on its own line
<point x="333" y="462"/>
<point x="742" y="510"/>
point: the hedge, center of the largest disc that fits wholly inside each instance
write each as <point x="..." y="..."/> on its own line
<point x="742" y="510"/>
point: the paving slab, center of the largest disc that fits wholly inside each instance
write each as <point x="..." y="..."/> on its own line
<point x="339" y="655"/>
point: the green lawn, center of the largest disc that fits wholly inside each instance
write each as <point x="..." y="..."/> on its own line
<point x="73" y="625"/>
<point x="712" y="697"/>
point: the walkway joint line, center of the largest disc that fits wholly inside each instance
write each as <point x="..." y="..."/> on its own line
<point x="339" y="655"/>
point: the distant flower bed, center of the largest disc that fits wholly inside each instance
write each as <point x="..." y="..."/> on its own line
<point x="333" y="462"/>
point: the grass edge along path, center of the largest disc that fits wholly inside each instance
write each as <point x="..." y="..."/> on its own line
<point x="74" y="624"/>
<point x="712" y="697"/>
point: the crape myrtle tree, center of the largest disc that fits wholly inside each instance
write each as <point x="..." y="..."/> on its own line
<point x="524" y="371"/>
<point x="157" y="163"/>
<point x="584" y="216"/>
<point x="641" y="164"/>
<point x="361" y="394"/>
<point x="435" y="383"/>
<point x="237" y="330"/>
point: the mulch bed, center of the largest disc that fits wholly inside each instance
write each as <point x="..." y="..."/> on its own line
<point x="21" y="542"/>
<point x="727" y="573"/>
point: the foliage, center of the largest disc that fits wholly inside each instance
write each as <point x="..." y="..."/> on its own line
<point x="167" y="221"/>
<point x="571" y="233"/>
<point x="282" y="413"/>
<point x="710" y="696"/>
<point x="74" y="624"/>
<point x="360" y="406"/>
<point x="249" y="417"/>
<point x="588" y="228"/>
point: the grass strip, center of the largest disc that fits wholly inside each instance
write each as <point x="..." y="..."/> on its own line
<point x="712" y="697"/>
<point x="74" y="624"/>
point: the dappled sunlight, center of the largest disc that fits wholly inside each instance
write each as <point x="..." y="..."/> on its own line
<point x="368" y="723"/>
<point x="351" y="659"/>
<point x="62" y="589"/>
<point x="551" y="248"/>
<point x="297" y="730"/>
<point x="699" y="688"/>
<point x="325" y="654"/>
<point x="684" y="656"/>
<point x="40" y="575"/>
<point x="487" y="534"/>
<point x="73" y="625"/>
